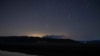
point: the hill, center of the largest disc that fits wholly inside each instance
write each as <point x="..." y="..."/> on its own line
<point x="45" y="46"/>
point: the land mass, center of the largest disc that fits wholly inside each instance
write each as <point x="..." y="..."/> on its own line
<point x="47" y="46"/>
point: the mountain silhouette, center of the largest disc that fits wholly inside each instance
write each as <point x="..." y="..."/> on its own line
<point x="46" y="45"/>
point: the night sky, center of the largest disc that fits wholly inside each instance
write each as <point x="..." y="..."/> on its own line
<point x="76" y="19"/>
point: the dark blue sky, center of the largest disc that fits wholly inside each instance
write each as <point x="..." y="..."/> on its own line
<point x="76" y="19"/>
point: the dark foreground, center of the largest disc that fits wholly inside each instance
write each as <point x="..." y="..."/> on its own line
<point x="51" y="50"/>
<point x="49" y="47"/>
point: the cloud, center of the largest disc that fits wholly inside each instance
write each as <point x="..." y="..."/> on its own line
<point x="55" y="36"/>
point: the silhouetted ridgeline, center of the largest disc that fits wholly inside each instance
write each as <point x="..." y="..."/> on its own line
<point x="47" y="45"/>
<point x="18" y="39"/>
<point x="35" y="40"/>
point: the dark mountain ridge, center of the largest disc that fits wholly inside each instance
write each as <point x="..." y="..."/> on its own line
<point x="45" y="46"/>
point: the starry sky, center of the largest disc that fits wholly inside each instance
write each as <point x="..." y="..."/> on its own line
<point x="76" y="19"/>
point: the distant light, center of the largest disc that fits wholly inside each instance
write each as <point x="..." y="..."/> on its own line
<point x="36" y="35"/>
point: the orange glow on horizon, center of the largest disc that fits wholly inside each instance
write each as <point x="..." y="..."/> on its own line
<point x="36" y="35"/>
